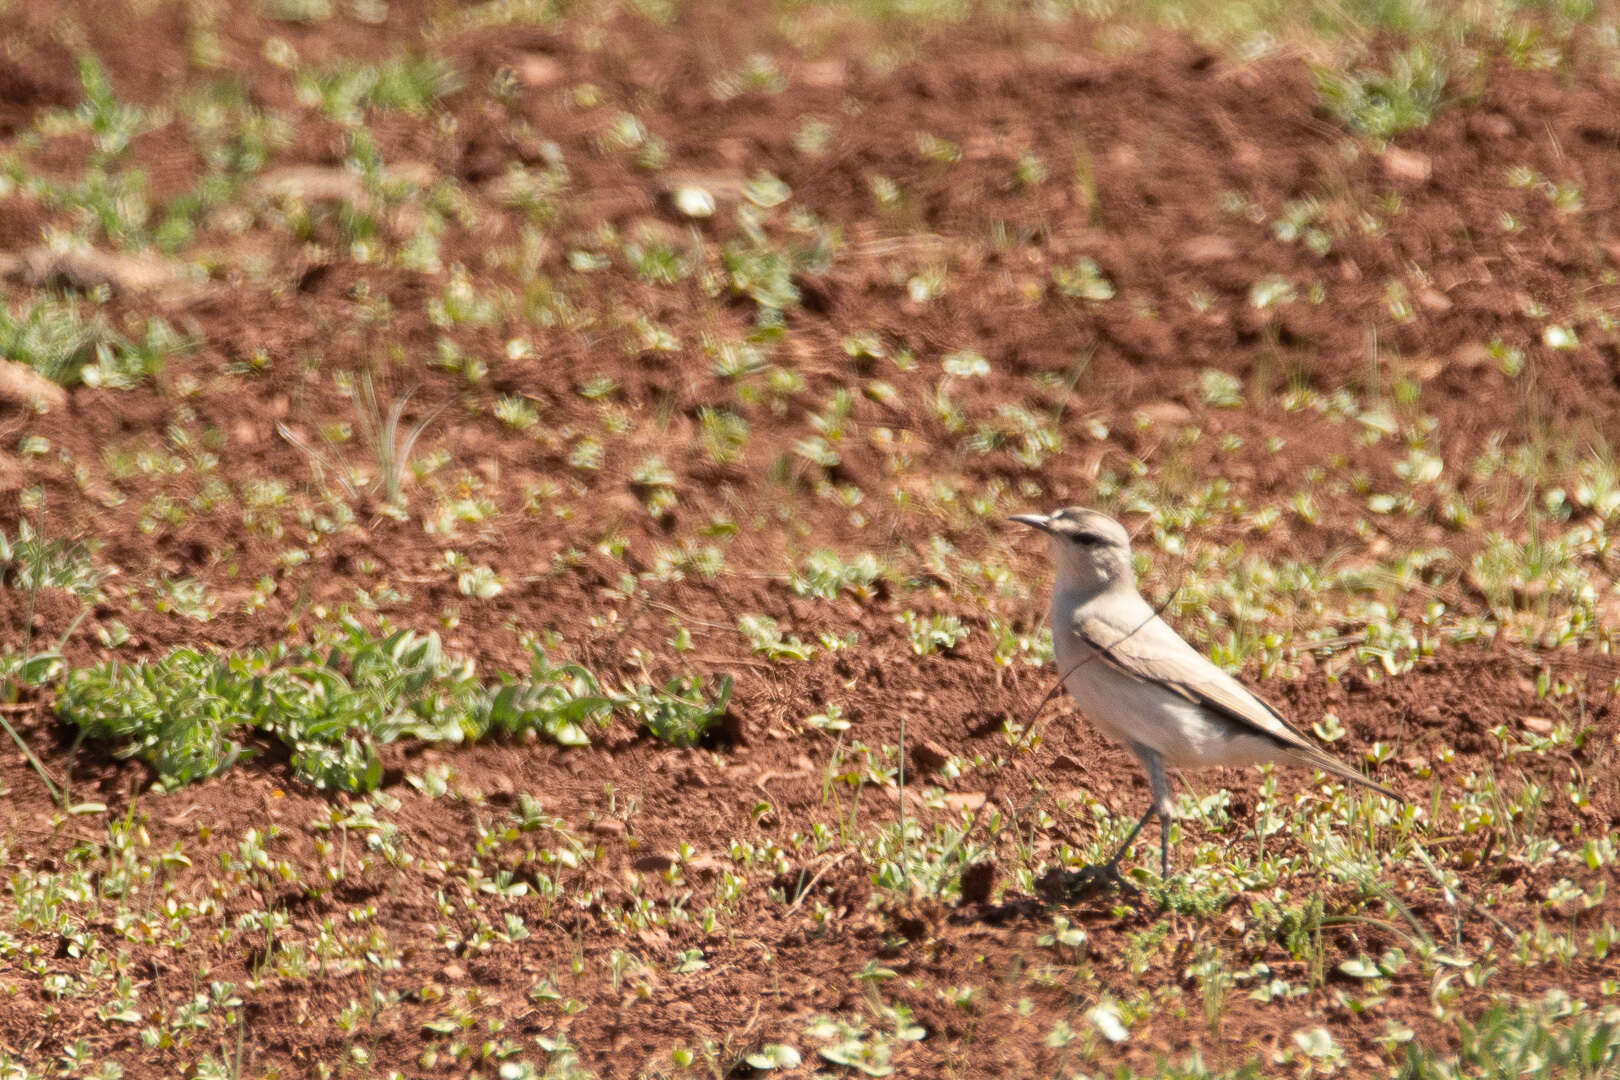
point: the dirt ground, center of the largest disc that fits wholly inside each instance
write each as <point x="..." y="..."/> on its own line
<point x="1190" y="156"/>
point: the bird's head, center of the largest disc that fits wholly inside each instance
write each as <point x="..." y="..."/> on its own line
<point x="1092" y="551"/>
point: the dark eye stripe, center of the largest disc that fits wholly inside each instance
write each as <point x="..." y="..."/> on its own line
<point x="1088" y="538"/>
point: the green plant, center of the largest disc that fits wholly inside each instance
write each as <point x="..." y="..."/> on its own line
<point x="53" y="337"/>
<point x="391" y="447"/>
<point x="679" y="712"/>
<point x="1385" y="103"/>
<point x="186" y="714"/>
<point x="766" y="638"/>
<point x="933" y="634"/>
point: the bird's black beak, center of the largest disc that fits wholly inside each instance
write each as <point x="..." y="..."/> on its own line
<point x="1034" y="521"/>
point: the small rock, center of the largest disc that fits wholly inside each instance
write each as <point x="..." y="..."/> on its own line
<point x="1166" y="412"/>
<point x="824" y="74"/>
<point x="1470" y="355"/>
<point x="1434" y="300"/>
<point x="1408" y="165"/>
<point x="1124" y="158"/>
<point x="1428" y="368"/>
<point x="685" y="189"/>
<point x="705" y="865"/>
<point x="538" y="69"/>
<point x="693" y="201"/>
<point x="1208" y="248"/>
<point x="1538" y="724"/>
<point x="1491" y="125"/>
<point x="606" y="827"/>
<point x="454" y="972"/>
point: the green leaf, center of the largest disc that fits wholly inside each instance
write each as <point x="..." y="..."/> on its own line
<point x="774" y="1056"/>
<point x="1360" y="967"/>
<point x="967" y="365"/>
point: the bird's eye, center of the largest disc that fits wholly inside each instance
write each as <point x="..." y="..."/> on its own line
<point x="1087" y="539"/>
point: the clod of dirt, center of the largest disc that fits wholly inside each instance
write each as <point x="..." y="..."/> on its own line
<point x="919" y="919"/>
<point x="978" y="881"/>
<point x="928" y="756"/>
<point x="654" y="863"/>
<point x="23" y="387"/>
<point x="88" y="268"/>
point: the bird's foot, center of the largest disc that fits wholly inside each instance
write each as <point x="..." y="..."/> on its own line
<point x="1060" y="884"/>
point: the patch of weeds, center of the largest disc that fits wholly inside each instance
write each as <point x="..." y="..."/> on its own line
<point x="679" y="712"/>
<point x="762" y="273"/>
<point x="824" y="574"/>
<point x="185" y="597"/>
<point x="655" y="484"/>
<point x="1027" y="438"/>
<point x="191" y="714"/>
<point x="767" y="639"/>
<point x="390" y="443"/>
<point x="296" y="11"/>
<point x="111" y="124"/>
<point x="757" y="74"/>
<point x="516" y="412"/>
<point x="864" y="1047"/>
<point x="724" y="433"/>
<point x="412" y="84"/>
<point x="1083" y="279"/>
<point x="626" y="134"/>
<point x="177" y="714"/>
<point x="1304" y="221"/>
<point x="32" y="562"/>
<point x="52" y="336"/>
<point x="1384" y="104"/>
<point x="1556" y="1037"/>
<point x="937" y="633"/>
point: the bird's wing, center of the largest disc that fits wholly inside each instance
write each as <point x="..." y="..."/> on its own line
<point x="1132" y="640"/>
<point x="1144" y="647"/>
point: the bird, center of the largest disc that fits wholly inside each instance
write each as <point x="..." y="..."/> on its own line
<point x="1143" y="686"/>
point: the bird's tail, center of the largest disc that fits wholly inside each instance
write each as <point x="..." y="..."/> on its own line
<point x="1312" y="758"/>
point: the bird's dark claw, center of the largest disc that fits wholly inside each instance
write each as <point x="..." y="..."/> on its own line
<point x="1059" y="885"/>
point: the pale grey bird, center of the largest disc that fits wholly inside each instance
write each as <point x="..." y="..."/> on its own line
<point x="1141" y="685"/>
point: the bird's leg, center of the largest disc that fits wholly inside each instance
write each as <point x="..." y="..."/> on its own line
<point x="1113" y="860"/>
<point x="1107" y="873"/>
<point x="1159" y="780"/>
